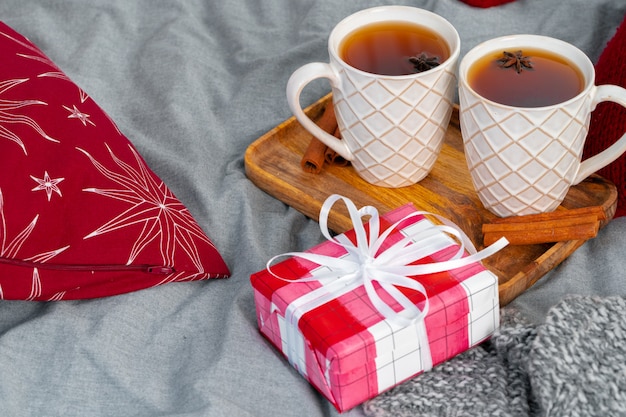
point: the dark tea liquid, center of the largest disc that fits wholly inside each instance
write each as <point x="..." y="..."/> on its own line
<point x="384" y="48"/>
<point x="552" y="80"/>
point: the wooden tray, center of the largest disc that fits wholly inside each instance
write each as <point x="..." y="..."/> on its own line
<point x="272" y="162"/>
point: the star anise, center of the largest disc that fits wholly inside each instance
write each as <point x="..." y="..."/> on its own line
<point x="423" y="62"/>
<point x="516" y="61"/>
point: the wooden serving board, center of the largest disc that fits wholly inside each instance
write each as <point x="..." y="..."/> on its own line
<point x="272" y="162"/>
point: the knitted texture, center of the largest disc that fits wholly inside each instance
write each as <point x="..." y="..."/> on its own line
<point x="578" y="360"/>
<point x="486" y="3"/>
<point x="608" y="121"/>
<point x="572" y="365"/>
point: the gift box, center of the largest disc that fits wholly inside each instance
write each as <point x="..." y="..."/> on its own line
<point x="345" y="316"/>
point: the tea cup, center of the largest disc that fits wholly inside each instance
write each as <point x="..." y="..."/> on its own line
<point x="523" y="160"/>
<point x="392" y="126"/>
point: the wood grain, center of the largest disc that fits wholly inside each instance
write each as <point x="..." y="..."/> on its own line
<point x="272" y="162"/>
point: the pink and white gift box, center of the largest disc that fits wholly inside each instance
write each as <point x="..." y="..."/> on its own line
<point x="354" y="330"/>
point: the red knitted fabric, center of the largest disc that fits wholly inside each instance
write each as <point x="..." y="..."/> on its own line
<point x="608" y="121"/>
<point x="486" y="3"/>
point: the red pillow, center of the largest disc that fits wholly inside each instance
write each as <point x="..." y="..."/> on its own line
<point x="81" y="214"/>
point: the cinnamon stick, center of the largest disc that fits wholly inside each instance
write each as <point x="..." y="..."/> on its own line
<point x="332" y="157"/>
<point x="557" y="226"/>
<point x="315" y="154"/>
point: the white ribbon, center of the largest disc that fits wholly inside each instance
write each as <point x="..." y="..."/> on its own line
<point x="363" y="264"/>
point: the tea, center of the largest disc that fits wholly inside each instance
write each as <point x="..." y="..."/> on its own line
<point x="525" y="78"/>
<point x="386" y="48"/>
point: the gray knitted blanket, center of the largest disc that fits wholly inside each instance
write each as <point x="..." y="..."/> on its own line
<point x="574" y="364"/>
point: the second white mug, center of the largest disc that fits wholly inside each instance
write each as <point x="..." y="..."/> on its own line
<point x="523" y="158"/>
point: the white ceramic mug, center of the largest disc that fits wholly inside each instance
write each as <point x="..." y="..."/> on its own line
<point x="392" y="127"/>
<point x="523" y="160"/>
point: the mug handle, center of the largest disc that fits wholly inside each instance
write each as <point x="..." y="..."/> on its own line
<point x="298" y="80"/>
<point x="590" y="165"/>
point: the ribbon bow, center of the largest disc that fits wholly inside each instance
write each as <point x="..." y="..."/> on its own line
<point x="392" y="267"/>
<point x="365" y="263"/>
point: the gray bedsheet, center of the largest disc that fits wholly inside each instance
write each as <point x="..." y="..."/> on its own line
<point x="192" y="83"/>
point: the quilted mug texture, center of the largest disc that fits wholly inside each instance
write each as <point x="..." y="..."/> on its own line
<point x="81" y="214"/>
